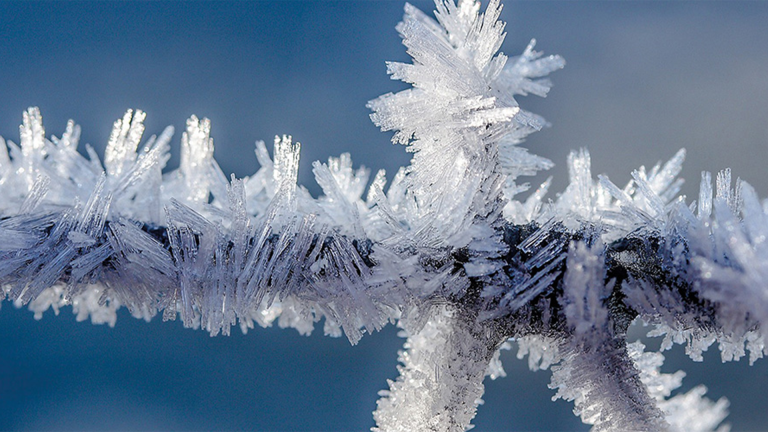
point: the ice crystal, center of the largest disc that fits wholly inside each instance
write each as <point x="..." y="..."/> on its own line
<point x="448" y="252"/>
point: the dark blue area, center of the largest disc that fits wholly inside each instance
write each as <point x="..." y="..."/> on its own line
<point x="59" y="374"/>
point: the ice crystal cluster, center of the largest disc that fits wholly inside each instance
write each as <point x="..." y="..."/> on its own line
<point x="446" y="250"/>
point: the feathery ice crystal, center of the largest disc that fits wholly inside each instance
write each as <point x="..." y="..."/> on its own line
<point x="447" y="252"/>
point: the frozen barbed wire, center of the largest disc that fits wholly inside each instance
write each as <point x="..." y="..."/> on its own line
<point x="447" y="253"/>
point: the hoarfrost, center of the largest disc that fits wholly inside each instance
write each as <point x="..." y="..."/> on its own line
<point x="448" y="252"/>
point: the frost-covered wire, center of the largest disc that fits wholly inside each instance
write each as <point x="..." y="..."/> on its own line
<point x="447" y="252"/>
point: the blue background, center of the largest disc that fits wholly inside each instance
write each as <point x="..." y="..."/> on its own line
<point x="642" y="80"/>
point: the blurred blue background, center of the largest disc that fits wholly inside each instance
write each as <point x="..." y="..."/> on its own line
<point x="642" y="80"/>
